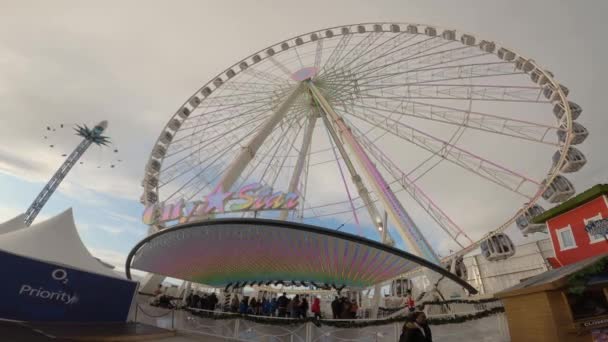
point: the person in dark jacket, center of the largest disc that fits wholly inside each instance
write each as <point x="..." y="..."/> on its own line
<point x="273" y="307"/>
<point x="195" y="300"/>
<point x="243" y="306"/>
<point x="204" y="302"/>
<point x="304" y="308"/>
<point x="336" y="308"/>
<point x="234" y="303"/>
<point x="416" y="329"/>
<point x="212" y="301"/>
<point x="345" y="308"/>
<point x="253" y="306"/>
<point x="282" y="305"/>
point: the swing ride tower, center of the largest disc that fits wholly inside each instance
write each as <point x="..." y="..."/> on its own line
<point x="90" y="136"/>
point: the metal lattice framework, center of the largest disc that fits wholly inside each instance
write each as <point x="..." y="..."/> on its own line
<point x="90" y="136"/>
<point x="363" y="117"/>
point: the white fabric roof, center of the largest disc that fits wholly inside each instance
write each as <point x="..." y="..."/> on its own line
<point x="54" y="240"/>
<point x="13" y="224"/>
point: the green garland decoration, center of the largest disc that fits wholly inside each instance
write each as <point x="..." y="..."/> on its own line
<point x="577" y="281"/>
<point x="347" y="324"/>
<point x="444" y="302"/>
<point x="465" y="318"/>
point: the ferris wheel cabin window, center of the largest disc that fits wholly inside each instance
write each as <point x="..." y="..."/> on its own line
<point x="594" y="238"/>
<point x="565" y="238"/>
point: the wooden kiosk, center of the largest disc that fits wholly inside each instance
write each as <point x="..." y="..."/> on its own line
<point x="565" y="304"/>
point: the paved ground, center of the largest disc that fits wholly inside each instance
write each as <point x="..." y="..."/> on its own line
<point x="17" y="332"/>
<point x="27" y="332"/>
<point x="192" y="338"/>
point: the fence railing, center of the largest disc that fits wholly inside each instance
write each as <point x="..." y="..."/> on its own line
<point x="259" y="328"/>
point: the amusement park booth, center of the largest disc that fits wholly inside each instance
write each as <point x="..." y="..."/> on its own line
<point x="565" y="304"/>
<point x="577" y="227"/>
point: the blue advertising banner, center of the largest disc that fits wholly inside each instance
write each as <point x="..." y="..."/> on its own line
<point x="32" y="290"/>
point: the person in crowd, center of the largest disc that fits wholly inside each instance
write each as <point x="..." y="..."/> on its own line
<point x="353" y="309"/>
<point x="158" y="291"/>
<point x="253" y="305"/>
<point x="243" y="306"/>
<point x="273" y="307"/>
<point x="195" y="300"/>
<point x="164" y="300"/>
<point x="410" y="301"/>
<point x="282" y="303"/>
<point x="204" y="301"/>
<point x="212" y="301"/>
<point x="316" y="307"/>
<point x="336" y="308"/>
<point x="290" y="308"/>
<point x="416" y="329"/>
<point x="189" y="300"/>
<point x="265" y="307"/>
<point x="295" y="307"/>
<point x="234" y="304"/>
<point x="304" y="308"/>
<point x="345" y="313"/>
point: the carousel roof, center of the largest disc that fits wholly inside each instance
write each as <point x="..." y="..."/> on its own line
<point x="224" y="252"/>
<point x="13" y="224"/>
<point x="55" y="240"/>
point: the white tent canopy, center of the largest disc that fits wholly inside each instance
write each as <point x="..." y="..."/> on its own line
<point x="55" y="240"/>
<point x="13" y="224"/>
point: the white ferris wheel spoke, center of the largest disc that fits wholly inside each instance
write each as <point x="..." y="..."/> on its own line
<point x="496" y="124"/>
<point x="425" y="202"/>
<point x="417" y="47"/>
<point x="337" y="52"/>
<point x="255" y="119"/>
<point x="319" y="53"/>
<point x="484" y="168"/>
<point x="216" y="138"/>
<point x="358" y="50"/>
<point x="422" y="53"/>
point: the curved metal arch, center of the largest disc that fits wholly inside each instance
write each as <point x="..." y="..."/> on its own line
<point x="306" y="229"/>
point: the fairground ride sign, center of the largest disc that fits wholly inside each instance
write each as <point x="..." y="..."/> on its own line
<point x="599" y="227"/>
<point x="251" y="197"/>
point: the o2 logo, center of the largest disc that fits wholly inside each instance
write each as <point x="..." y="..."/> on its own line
<point x="60" y="275"/>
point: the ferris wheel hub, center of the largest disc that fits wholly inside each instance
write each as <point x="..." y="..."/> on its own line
<point x="304" y="74"/>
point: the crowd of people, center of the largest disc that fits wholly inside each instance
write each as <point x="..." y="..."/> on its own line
<point x="205" y="301"/>
<point x="344" y="308"/>
<point x="415" y="328"/>
<point x="296" y="307"/>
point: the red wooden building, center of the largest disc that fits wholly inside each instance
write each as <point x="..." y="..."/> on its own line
<point x="566" y="224"/>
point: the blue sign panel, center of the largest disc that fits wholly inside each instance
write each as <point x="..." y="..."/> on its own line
<point x="32" y="290"/>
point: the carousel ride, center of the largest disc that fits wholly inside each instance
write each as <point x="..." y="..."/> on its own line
<point x="423" y="138"/>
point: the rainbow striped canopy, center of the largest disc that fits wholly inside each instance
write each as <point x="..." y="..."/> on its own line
<point x="222" y="252"/>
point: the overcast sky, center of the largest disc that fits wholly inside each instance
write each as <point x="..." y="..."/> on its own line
<point x="133" y="63"/>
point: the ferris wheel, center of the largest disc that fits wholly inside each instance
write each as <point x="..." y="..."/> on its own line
<point x="436" y="139"/>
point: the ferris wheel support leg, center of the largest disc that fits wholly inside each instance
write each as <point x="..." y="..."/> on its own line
<point x="297" y="172"/>
<point x="248" y="152"/>
<point x="378" y="287"/>
<point x="408" y="230"/>
<point x="361" y="189"/>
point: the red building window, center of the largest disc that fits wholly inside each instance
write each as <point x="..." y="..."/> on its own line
<point x="594" y="238"/>
<point x="565" y="238"/>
